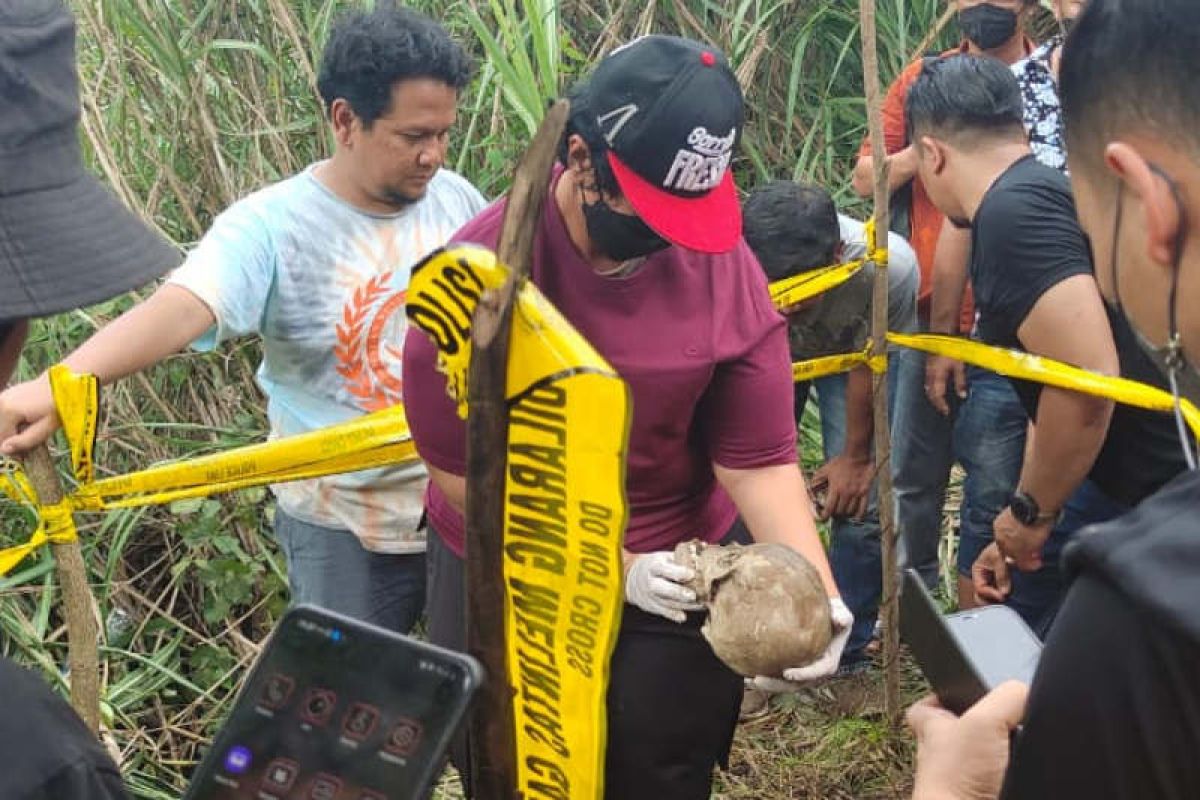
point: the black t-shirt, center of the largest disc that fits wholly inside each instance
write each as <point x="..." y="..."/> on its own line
<point x="1026" y="239"/>
<point x="1114" y="710"/>
<point x="48" y="752"/>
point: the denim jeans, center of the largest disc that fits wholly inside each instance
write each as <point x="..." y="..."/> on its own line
<point x="1036" y="595"/>
<point x="328" y="567"/>
<point x="985" y="433"/>
<point x="854" y="549"/>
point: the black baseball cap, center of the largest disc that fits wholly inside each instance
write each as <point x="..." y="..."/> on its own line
<point x="65" y="240"/>
<point x="671" y="112"/>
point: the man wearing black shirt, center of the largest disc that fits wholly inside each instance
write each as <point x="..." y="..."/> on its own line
<point x="1035" y="290"/>
<point x="1114" y="711"/>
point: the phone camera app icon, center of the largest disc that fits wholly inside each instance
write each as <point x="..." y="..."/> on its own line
<point x="276" y="691"/>
<point x="404" y="738"/>
<point x="237" y="760"/>
<point x="280" y="775"/>
<point x="318" y="706"/>
<point x="360" y="721"/>
<point x="324" y="787"/>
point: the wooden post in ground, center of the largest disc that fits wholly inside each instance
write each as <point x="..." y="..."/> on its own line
<point x="491" y="734"/>
<point x="83" y="657"/>
<point x="889" y="605"/>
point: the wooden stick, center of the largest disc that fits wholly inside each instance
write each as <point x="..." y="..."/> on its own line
<point x="889" y="601"/>
<point x="492" y="730"/>
<point x="83" y="656"/>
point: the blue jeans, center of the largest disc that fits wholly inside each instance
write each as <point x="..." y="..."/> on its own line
<point x="854" y="549"/>
<point x="327" y="567"/>
<point x="1036" y="595"/>
<point x="985" y="433"/>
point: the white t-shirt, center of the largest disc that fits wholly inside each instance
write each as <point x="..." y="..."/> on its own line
<point x="323" y="283"/>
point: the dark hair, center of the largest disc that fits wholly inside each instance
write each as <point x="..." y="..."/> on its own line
<point x="964" y="95"/>
<point x="368" y="52"/>
<point x="791" y="227"/>
<point x="1131" y="65"/>
<point x="582" y="121"/>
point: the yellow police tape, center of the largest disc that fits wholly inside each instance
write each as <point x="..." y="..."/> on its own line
<point x="374" y="440"/>
<point x="806" y="285"/>
<point x="564" y="515"/>
<point x="1012" y="364"/>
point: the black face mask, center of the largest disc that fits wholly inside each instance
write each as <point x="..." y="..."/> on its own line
<point x="1169" y="358"/>
<point x="988" y="26"/>
<point x="621" y="237"/>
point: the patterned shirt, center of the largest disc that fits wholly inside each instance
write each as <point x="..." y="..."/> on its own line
<point x="1043" y="112"/>
<point x="323" y="283"/>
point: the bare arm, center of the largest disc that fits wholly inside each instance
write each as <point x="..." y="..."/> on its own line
<point x="774" y="504"/>
<point x="163" y="324"/>
<point x="902" y="168"/>
<point x="1067" y="323"/>
<point x="949" y="278"/>
<point x="949" y="286"/>
<point x="12" y="339"/>
<point x="846" y="477"/>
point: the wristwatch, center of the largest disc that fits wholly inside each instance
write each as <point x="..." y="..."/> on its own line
<point x="1027" y="512"/>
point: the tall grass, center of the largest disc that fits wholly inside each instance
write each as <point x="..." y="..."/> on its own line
<point x="189" y="104"/>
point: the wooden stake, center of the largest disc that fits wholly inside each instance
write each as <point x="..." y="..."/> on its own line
<point x="889" y="601"/>
<point x="492" y="730"/>
<point x="83" y="656"/>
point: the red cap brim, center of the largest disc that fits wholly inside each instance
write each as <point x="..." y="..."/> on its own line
<point x="711" y="223"/>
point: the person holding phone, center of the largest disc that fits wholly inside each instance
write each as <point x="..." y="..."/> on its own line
<point x="640" y="247"/>
<point x="1114" y="708"/>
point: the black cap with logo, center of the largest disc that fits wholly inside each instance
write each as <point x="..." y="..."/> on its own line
<point x="65" y="241"/>
<point x="671" y="112"/>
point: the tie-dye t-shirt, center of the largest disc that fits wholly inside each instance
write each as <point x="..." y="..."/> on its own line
<point x="323" y="283"/>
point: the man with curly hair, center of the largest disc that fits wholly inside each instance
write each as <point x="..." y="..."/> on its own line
<point x="317" y="265"/>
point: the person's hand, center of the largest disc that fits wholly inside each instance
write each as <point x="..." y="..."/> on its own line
<point x="27" y="416"/>
<point x="964" y="758"/>
<point x="1022" y="543"/>
<point x="795" y="678"/>
<point x="990" y="576"/>
<point x="845" y="482"/>
<point x="940" y="373"/>
<point x="655" y="582"/>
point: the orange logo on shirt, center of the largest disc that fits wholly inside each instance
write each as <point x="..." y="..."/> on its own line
<point x="369" y="363"/>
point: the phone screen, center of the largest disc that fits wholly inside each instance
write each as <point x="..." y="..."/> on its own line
<point x="337" y="710"/>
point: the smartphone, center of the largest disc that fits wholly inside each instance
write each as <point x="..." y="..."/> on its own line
<point x="337" y="709"/>
<point x="966" y="654"/>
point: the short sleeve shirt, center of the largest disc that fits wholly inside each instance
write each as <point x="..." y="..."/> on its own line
<point x="704" y="354"/>
<point x="840" y="322"/>
<point x="1026" y="239"/>
<point x="323" y="283"/>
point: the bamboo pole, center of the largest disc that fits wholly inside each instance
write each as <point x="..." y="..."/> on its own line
<point x="83" y="656"/>
<point x="889" y="601"/>
<point x="493" y="767"/>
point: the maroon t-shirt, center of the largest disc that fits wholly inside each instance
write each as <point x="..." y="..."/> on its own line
<point x="704" y="353"/>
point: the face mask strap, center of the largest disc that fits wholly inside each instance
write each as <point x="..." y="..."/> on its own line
<point x="1175" y="358"/>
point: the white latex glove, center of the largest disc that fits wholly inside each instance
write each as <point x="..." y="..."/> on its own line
<point x="823" y="667"/>
<point x="654" y="583"/>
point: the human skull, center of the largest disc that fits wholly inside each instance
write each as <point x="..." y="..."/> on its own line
<point x="767" y="608"/>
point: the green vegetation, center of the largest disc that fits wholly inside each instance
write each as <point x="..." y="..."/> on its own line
<point x="190" y="104"/>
